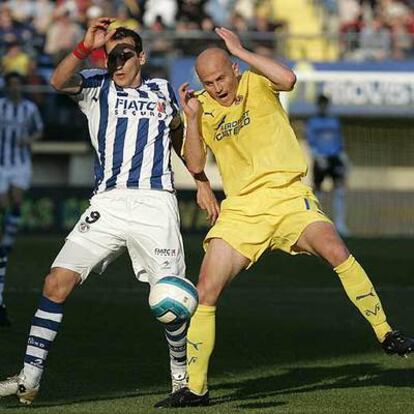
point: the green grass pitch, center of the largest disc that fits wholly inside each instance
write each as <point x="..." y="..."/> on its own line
<point x="288" y="339"/>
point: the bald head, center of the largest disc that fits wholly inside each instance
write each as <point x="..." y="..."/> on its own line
<point x="218" y="74"/>
<point x="211" y="58"/>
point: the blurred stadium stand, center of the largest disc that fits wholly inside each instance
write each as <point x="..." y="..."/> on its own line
<point x="361" y="37"/>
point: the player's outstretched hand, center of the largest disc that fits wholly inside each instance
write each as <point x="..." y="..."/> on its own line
<point x="98" y="34"/>
<point x="207" y="201"/>
<point x="190" y="104"/>
<point x="231" y="40"/>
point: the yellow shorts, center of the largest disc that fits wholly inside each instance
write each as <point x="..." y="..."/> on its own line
<point x="266" y="219"/>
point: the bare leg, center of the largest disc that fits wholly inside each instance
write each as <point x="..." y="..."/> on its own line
<point x="321" y="239"/>
<point x="221" y="263"/>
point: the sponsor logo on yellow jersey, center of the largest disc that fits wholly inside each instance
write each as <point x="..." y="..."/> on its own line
<point x="227" y="129"/>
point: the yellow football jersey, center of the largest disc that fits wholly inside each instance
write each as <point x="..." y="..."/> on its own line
<point x="252" y="140"/>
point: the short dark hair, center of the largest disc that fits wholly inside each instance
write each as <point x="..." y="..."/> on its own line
<point x="323" y="100"/>
<point x="123" y="32"/>
<point x="13" y="75"/>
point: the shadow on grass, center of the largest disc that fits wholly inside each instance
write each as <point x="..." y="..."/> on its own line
<point x="310" y="379"/>
<point x="57" y="402"/>
<point x="294" y="381"/>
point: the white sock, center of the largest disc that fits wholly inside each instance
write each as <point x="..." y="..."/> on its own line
<point x="176" y="336"/>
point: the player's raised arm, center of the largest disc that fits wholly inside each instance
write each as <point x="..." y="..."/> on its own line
<point x="281" y="76"/>
<point x="194" y="154"/>
<point x="194" y="150"/>
<point x="64" y="78"/>
<point x="206" y="199"/>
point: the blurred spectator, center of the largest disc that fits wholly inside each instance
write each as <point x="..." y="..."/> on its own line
<point x="192" y="10"/>
<point x="220" y="11"/>
<point x="93" y="12"/>
<point x="134" y="7"/>
<point x="348" y="12"/>
<point x="410" y="23"/>
<point x="187" y="43"/>
<point x="42" y="15"/>
<point x="160" y="44"/>
<point x="72" y="8"/>
<point x="324" y="134"/>
<point x="245" y="9"/>
<point x="34" y="80"/>
<point x="124" y="19"/>
<point x="22" y="10"/>
<point x="238" y="23"/>
<point x="378" y="28"/>
<point x="263" y="24"/>
<point x="62" y="36"/>
<point x="207" y="24"/>
<point x="15" y="60"/>
<point x="10" y="30"/>
<point x="167" y="9"/>
<point x="375" y="41"/>
<point x="184" y="26"/>
<point x="350" y="35"/>
<point x="158" y="26"/>
<point x="401" y="39"/>
<point x="394" y="10"/>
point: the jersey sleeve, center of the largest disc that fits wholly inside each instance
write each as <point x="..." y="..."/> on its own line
<point x="205" y="127"/>
<point x="92" y="81"/>
<point x="259" y="80"/>
<point x="36" y="123"/>
<point x="177" y="119"/>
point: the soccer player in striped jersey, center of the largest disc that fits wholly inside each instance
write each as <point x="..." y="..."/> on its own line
<point x="20" y="125"/>
<point x="134" y="207"/>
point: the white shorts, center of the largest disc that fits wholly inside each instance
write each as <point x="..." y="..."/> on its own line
<point x="17" y="176"/>
<point x="144" y="222"/>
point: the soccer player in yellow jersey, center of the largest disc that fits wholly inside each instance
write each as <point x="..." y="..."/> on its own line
<point x="267" y="207"/>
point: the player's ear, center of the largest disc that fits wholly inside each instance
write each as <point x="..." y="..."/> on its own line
<point x="236" y="69"/>
<point x="142" y="58"/>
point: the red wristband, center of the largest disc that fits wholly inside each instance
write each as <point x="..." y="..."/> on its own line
<point x="81" y="51"/>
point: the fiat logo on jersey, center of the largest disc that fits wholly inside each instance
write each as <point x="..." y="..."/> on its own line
<point x="134" y="104"/>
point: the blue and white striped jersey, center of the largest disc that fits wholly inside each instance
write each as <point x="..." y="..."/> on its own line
<point x="17" y="122"/>
<point x="129" y="130"/>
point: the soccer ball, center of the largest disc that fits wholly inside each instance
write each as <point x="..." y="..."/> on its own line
<point x="173" y="299"/>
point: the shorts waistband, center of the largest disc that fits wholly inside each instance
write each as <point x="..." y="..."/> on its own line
<point x="134" y="193"/>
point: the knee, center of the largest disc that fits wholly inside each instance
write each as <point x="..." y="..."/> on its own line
<point x="208" y="290"/>
<point x="336" y="253"/>
<point x="58" y="284"/>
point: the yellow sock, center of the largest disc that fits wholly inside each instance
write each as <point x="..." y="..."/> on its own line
<point x="360" y="290"/>
<point x="200" y="337"/>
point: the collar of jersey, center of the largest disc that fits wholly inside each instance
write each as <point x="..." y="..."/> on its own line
<point x="144" y="80"/>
